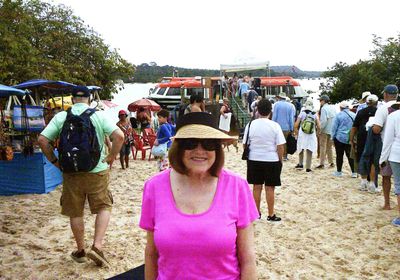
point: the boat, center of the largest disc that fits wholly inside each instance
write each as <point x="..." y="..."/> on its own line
<point x="172" y="91"/>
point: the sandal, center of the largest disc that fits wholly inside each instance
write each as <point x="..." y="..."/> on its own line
<point x="97" y="256"/>
<point x="273" y="218"/>
<point x="79" y="256"/>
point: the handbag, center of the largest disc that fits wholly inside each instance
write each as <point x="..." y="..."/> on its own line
<point x="28" y="117"/>
<point x="291" y="144"/>
<point x="246" y="151"/>
<point x="160" y="150"/>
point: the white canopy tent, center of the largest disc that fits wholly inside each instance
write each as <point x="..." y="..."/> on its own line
<point x="244" y="67"/>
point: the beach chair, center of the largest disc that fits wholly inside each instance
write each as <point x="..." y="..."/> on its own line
<point x="140" y="146"/>
<point x="148" y="132"/>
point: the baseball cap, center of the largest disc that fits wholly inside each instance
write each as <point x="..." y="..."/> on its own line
<point x="122" y="112"/>
<point x="80" y="91"/>
<point x="344" y="104"/>
<point x="365" y="94"/>
<point x="324" y="97"/>
<point x="372" y="98"/>
<point x="391" y="89"/>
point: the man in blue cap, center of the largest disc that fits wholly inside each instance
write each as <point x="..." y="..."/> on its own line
<point x="390" y="93"/>
<point x="91" y="185"/>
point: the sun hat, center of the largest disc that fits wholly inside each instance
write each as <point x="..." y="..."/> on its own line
<point x="365" y="94"/>
<point x="122" y="112"/>
<point x="282" y="95"/>
<point x="309" y="107"/>
<point x="199" y="125"/>
<point x="391" y="89"/>
<point x="324" y="98"/>
<point x="80" y="91"/>
<point x="344" y="104"/>
<point x="372" y="98"/>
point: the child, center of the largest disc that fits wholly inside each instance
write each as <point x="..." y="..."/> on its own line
<point x="164" y="134"/>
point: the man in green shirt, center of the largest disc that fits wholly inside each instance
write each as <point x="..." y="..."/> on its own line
<point x="92" y="184"/>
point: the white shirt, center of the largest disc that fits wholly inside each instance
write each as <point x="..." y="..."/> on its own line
<point x="381" y="116"/>
<point x="391" y="140"/>
<point x="264" y="137"/>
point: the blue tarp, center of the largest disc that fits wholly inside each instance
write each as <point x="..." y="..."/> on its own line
<point x="93" y="88"/>
<point x="44" y="83"/>
<point x="6" y="91"/>
<point x="27" y="175"/>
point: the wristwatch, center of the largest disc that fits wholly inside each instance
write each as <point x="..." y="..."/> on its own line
<point x="54" y="161"/>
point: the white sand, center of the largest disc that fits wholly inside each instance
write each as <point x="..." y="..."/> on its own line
<point x="330" y="230"/>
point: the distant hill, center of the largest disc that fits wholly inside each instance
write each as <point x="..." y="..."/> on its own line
<point x="295" y="71"/>
<point x="151" y="72"/>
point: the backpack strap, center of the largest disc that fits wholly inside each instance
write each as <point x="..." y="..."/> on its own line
<point x="88" y="112"/>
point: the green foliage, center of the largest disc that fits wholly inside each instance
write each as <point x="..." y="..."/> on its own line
<point x="370" y="75"/>
<point x="41" y="40"/>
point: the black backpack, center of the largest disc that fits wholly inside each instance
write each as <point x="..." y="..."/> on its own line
<point x="79" y="149"/>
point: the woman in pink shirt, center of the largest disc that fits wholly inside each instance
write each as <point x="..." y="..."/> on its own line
<point x="198" y="216"/>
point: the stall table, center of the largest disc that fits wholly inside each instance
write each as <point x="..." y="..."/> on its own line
<point x="28" y="175"/>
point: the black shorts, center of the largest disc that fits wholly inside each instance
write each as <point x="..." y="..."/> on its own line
<point x="264" y="172"/>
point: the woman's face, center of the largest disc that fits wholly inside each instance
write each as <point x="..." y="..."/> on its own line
<point x="198" y="160"/>
<point x="122" y="117"/>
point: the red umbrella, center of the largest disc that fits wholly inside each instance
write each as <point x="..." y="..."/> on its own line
<point x="145" y="103"/>
<point x="109" y="104"/>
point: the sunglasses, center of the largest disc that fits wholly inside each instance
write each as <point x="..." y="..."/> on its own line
<point x="206" y="144"/>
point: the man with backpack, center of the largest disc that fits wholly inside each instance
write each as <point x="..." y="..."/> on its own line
<point x="82" y="159"/>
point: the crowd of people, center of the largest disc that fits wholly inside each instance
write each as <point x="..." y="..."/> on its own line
<point x="194" y="201"/>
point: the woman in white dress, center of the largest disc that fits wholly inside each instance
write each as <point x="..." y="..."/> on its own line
<point x="306" y="135"/>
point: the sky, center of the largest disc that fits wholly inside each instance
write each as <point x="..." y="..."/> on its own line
<point x="310" y="34"/>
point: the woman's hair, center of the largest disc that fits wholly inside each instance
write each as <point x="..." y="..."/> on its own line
<point x="163" y="113"/>
<point x="264" y="107"/>
<point x="175" y="156"/>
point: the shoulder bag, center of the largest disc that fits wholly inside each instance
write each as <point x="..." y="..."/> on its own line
<point x="246" y="151"/>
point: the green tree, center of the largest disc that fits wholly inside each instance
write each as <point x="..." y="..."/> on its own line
<point x="42" y="40"/>
<point x="369" y="75"/>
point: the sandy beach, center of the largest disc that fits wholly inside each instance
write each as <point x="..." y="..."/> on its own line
<point x="330" y="230"/>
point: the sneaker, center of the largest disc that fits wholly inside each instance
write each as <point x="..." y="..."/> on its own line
<point x="338" y="174"/>
<point x="364" y="186"/>
<point x="97" y="256"/>
<point x="354" y="175"/>
<point x="321" y="166"/>
<point x="273" y="218"/>
<point x="299" y="166"/>
<point x="396" y="222"/>
<point x="79" y="256"/>
<point x="332" y="165"/>
<point x="308" y="170"/>
<point x="372" y="188"/>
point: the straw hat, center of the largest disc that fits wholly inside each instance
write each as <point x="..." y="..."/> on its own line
<point x="199" y="125"/>
<point x="282" y="95"/>
<point x="344" y="105"/>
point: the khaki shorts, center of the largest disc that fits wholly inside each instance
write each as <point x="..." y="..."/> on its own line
<point x="78" y="186"/>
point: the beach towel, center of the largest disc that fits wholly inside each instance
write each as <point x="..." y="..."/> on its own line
<point x="225" y="123"/>
<point x="133" y="274"/>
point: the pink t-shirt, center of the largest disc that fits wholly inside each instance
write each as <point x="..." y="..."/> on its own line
<point x="199" y="246"/>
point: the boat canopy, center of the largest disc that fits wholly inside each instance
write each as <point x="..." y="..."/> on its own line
<point x="244" y="67"/>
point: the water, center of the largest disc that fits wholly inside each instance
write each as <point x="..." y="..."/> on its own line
<point x="128" y="94"/>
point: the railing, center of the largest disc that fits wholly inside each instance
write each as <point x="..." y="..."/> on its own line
<point x="242" y="117"/>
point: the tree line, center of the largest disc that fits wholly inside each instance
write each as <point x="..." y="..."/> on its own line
<point x="43" y="40"/>
<point x="383" y="68"/>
